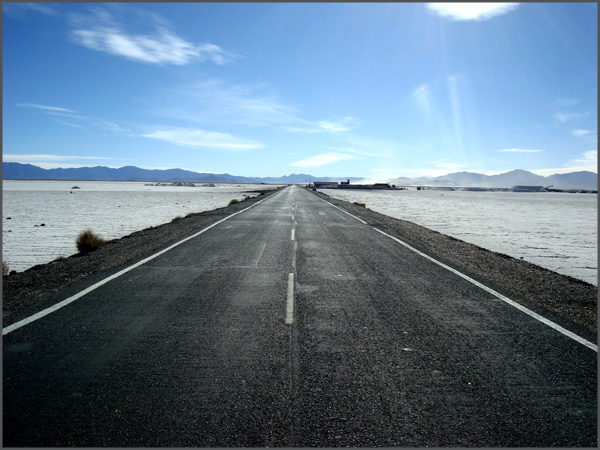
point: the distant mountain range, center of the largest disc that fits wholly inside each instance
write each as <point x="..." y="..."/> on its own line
<point x="17" y="171"/>
<point x="575" y="180"/>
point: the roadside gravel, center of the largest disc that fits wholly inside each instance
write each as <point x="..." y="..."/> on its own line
<point x="546" y="292"/>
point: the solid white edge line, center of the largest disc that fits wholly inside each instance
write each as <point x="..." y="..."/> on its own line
<point x="500" y="296"/>
<point x="337" y="207"/>
<point x="289" y="311"/>
<point x="77" y="296"/>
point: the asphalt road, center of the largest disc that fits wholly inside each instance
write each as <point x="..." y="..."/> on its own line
<point x="294" y="324"/>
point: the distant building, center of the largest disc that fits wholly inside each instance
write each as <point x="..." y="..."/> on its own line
<point x="325" y="184"/>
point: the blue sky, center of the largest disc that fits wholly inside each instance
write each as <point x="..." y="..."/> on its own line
<point x="330" y="89"/>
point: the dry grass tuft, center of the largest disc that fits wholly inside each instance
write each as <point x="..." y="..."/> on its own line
<point x="88" y="241"/>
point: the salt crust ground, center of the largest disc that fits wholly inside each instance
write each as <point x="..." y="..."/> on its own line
<point x="553" y="295"/>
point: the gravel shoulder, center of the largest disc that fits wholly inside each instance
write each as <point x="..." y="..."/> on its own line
<point x="556" y="296"/>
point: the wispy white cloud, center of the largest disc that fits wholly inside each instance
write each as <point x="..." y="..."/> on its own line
<point x="519" y="150"/>
<point x="17" y="10"/>
<point x="580" y="133"/>
<point x="471" y="11"/>
<point x="215" y="102"/>
<point x="344" y="124"/>
<point x="587" y="161"/>
<point x="564" y="116"/>
<point x="161" y="48"/>
<point x="70" y="124"/>
<point x="323" y="126"/>
<point x="46" y="108"/>
<point x="100" y="31"/>
<point x="203" y="139"/>
<point x="59" y="115"/>
<point x="322" y="159"/>
<point x="113" y="127"/>
<point x="45" y="157"/>
<point x="589" y="158"/>
<point x="376" y="147"/>
<point x="361" y="152"/>
<point x="565" y="102"/>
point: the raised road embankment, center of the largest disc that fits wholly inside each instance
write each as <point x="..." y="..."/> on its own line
<point x="298" y="321"/>
<point x="532" y="285"/>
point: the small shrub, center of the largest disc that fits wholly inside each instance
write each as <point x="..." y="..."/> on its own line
<point x="5" y="269"/>
<point x="88" y="241"/>
<point x="364" y="205"/>
<point x="234" y="201"/>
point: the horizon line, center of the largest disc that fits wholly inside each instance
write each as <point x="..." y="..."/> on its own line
<point x="489" y="174"/>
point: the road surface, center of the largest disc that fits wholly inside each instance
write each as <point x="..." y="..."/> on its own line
<point x="294" y="324"/>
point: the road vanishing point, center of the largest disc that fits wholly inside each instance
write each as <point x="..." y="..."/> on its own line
<point x="294" y="324"/>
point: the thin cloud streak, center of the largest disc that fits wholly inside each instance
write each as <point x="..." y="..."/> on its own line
<point x="519" y="150"/>
<point x="70" y="124"/>
<point x="580" y="133"/>
<point x="203" y="139"/>
<point x="564" y="117"/>
<point x="45" y="108"/>
<point x="324" y="126"/>
<point x="20" y="10"/>
<point x="370" y="154"/>
<point x="58" y="114"/>
<point x="322" y="159"/>
<point x="46" y="157"/>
